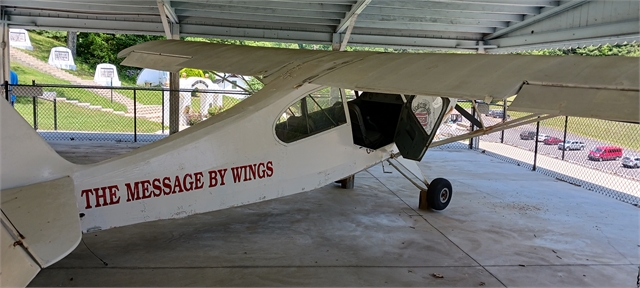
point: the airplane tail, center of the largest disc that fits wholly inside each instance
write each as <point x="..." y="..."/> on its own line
<point x="40" y="222"/>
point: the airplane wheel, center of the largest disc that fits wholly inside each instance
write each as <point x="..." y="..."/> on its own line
<point x="439" y="194"/>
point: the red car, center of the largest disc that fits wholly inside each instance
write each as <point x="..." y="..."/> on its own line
<point x="552" y="141"/>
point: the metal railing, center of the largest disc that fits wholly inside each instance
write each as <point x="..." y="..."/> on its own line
<point x="98" y="113"/>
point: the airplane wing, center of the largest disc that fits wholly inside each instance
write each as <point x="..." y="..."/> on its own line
<point x="580" y="83"/>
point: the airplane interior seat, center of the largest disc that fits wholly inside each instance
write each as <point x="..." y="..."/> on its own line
<point x="337" y="112"/>
<point x="363" y="134"/>
<point x="329" y="117"/>
<point x="295" y="128"/>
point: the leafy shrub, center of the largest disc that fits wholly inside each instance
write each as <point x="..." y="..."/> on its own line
<point x="192" y="72"/>
<point x="215" y="110"/>
<point x="194" y="119"/>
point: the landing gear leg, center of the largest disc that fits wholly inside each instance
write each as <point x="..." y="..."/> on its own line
<point x="435" y="195"/>
<point x="347" y="183"/>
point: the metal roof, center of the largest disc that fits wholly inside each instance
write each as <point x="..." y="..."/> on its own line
<point x="493" y="25"/>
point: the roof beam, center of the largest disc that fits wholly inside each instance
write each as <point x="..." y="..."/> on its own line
<point x="89" y="25"/>
<point x="451" y="6"/>
<point x="595" y="31"/>
<point x="383" y="11"/>
<point x="258" y="10"/>
<point x="168" y="10"/>
<point x="542" y="16"/>
<point x="536" y="3"/>
<point x="165" y="22"/>
<point x="424" y="27"/>
<point x="302" y="5"/>
<point x="214" y="16"/>
<point x="85" y="8"/>
<point x="432" y="20"/>
<point x="350" y="18"/>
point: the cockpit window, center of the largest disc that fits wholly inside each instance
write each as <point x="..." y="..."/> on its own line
<point x="310" y="115"/>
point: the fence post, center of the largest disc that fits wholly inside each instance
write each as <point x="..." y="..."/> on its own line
<point x="504" y="118"/>
<point x="535" y="152"/>
<point x="162" y="95"/>
<point x="35" y="113"/>
<point x="473" y="113"/>
<point x="564" y="148"/>
<point x="55" y="114"/>
<point x="6" y="89"/>
<point x="135" y="116"/>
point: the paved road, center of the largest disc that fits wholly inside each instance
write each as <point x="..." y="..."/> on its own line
<point x="512" y="137"/>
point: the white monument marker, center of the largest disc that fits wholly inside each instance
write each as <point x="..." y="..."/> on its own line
<point x="19" y="38"/>
<point x="107" y="75"/>
<point x="61" y="57"/>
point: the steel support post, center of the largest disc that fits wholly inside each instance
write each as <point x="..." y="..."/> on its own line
<point x="5" y="57"/>
<point x="504" y="118"/>
<point x="135" y="115"/>
<point x="564" y="139"/>
<point x="55" y="114"/>
<point x="473" y="113"/>
<point x="535" y="151"/>
<point x="174" y="102"/>
<point x="35" y="113"/>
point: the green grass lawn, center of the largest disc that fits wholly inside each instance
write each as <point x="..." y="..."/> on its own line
<point x="26" y="75"/>
<point x="146" y="97"/>
<point x="74" y="118"/>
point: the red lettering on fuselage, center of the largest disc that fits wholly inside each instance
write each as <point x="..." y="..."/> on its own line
<point x="158" y="187"/>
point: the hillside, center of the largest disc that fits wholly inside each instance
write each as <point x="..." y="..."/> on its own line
<point x="42" y="47"/>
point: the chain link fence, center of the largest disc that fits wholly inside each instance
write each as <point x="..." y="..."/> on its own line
<point x="121" y="114"/>
<point x="599" y="155"/>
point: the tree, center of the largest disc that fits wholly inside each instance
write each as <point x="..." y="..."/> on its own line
<point x="96" y="48"/>
<point x="72" y="40"/>
<point x="192" y="72"/>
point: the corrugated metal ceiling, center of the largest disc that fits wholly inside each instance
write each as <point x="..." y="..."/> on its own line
<point x="432" y="24"/>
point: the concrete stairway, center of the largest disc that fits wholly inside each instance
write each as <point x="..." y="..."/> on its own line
<point x="151" y="112"/>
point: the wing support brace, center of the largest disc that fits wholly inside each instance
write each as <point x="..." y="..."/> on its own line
<point x="469" y="117"/>
<point x="495" y="128"/>
<point x="409" y="169"/>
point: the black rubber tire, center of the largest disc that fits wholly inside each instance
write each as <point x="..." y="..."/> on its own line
<point x="438" y="189"/>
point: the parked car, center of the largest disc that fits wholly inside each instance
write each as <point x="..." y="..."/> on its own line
<point x="605" y="153"/>
<point x="552" y="141"/>
<point x="631" y="162"/>
<point x="571" y="145"/>
<point x="542" y="137"/>
<point x="497" y="114"/>
<point x="528" y="135"/>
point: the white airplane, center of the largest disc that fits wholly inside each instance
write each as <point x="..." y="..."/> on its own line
<point x="251" y="153"/>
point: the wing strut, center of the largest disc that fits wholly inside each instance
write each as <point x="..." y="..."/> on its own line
<point x="495" y="128"/>
<point x="469" y="117"/>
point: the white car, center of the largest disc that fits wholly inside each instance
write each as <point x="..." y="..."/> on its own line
<point x="571" y="145"/>
<point x="631" y="162"/>
<point x="542" y="137"/>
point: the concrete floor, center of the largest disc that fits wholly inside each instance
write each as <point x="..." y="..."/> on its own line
<point x="506" y="226"/>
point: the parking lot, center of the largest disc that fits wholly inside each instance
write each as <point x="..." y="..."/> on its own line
<point x="512" y="137"/>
